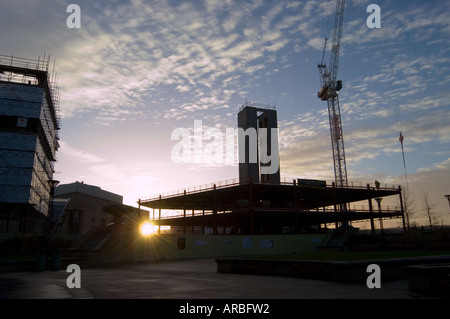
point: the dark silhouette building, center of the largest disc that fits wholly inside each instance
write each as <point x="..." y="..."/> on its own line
<point x="258" y="145"/>
<point x="259" y="202"/>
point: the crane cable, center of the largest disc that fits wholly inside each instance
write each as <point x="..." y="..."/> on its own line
<point x="397" y="114"/>
<point x="326" y="33"/>
<point x="394" y="92"/>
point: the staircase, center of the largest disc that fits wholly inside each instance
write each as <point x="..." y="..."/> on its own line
<point x="95" y="240"/>
<point x="101" y="246"/>
<point x="336" y="239"/>
<point x="89" y="249"/>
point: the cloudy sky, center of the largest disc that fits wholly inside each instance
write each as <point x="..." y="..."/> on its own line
<point x="137" y="70"/>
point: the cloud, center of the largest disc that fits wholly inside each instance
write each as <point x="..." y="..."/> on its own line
<point x="429" y="127"/>
<point x="77" y="155"/>
<point x="170" y="62"/>
<point x="135" y="179"/>
<point x="440" y="166"/>
<point x="316" y="43"/>
<point x="140" y="52"/>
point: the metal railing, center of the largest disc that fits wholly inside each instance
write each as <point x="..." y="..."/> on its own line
<point x="169" y="214"/>
<point x="13" y="75"/>
<point x="236" y="182"/>
<point x="32" y="64"/>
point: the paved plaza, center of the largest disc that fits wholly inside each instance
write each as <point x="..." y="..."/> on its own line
<point x="185" y="279"/>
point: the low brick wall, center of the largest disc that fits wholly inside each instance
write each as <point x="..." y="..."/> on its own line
<point x="342" y="271"/>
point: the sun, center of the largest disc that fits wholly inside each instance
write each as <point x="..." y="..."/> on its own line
<point x="147" y="228"/>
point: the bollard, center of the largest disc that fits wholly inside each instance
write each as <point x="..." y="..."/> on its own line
<point x="56" y="260"/>
<point x="41" y="259"/>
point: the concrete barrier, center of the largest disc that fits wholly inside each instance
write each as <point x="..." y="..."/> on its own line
<point x="341" y="271"/>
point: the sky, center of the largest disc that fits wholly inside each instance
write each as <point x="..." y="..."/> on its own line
<point x="135" y="71"/>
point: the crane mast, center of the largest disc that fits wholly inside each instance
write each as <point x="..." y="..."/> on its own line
<point x="329" y="92"/>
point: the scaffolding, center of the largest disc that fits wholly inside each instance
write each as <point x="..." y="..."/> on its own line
<point x="34" y="72"/>
<point x="30" y="121"/>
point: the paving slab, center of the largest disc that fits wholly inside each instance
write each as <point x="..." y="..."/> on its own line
<point x="185" y="279"/>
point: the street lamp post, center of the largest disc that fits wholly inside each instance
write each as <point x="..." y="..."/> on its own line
<point x="448" y="198"/>
<point x="53" y="185"/>
<point x="383" y="241"/>
<point x="56" y="258"/>
<point x="379" y="199"/>
<point x="41" y="258"/>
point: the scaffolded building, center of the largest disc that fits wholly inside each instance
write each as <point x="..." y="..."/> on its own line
<point x="29" y="125"/>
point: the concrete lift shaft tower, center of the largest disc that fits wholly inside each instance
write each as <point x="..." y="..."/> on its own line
<point x="254" y="118"/>
<point x="329" y="92"/>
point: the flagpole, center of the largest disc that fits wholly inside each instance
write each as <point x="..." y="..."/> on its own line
<point x="404" y="162"/>
<point x="406" y="179"/>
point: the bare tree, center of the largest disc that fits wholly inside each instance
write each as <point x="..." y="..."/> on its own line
<point x="429" y="208"/>
<point x="438" y="221"/>
<point x="408" y="206"/>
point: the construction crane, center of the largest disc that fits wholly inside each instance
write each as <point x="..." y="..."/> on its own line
<point x="329" y="92"/>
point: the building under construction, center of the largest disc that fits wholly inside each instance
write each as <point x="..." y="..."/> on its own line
<point x="29" y="127"/>
<point x="263" y="204"/>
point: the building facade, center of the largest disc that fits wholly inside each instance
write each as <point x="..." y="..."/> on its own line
<point x="85" y="208"/>
<point x="29" y="125"/>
